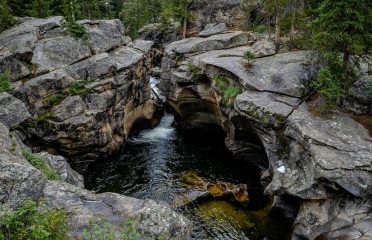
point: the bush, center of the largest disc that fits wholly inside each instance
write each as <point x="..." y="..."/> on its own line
<point x="43" y="119"/>
<point x="179" y="58"/>
<point x="249" y="56"/>
<point x="54" y="99"/>
<point x="6" y="18"/>
<point x="78" y="89"/>
<point x="33" y="222"/>
<point x="76" y="30"/>
<point x="228" y="90"/>
<point x="39" y="163"/>
<point x="231" y="92"/>
<point x="106" y="231"/>
<point x="194" y="69"/>
<point x="5" y="83"/>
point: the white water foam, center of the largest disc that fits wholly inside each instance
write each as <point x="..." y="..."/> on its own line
<point x="163" y="131"/>
<point x="156" y="94"/>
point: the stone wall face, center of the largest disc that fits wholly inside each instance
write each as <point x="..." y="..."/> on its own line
<point x="20" y="181"/>
<point x="217" y="11"/>
<point x="81" y="95"/>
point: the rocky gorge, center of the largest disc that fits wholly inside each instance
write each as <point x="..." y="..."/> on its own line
<point x="80" y="100"/>
<point x="326" y="163"/>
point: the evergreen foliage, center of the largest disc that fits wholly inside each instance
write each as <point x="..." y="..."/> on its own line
<point x="106" y="231"/>
<point x="6" y="18"/>
<point x="33" y="221"/>
<point x="228" y="90"/>
<point x="39" y="9"/>
<point x="39" y="163"/>
<point x="341" y="34"/>
<point x="5" y="84"/>
<point x="249" y="56"/>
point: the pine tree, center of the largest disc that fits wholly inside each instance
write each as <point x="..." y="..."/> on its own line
<point x="90" y="9"/>
<point x="6" y="18"/>
<point x="71" y="10"/>
<point x="137" y="13"/>
<point x="343" y="27"/>
<point x="40" y="9"/>
<point x="341" y="33"/>
<point x="276" y="8"/>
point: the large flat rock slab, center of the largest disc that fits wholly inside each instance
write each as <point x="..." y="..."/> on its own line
<point x="285" y="73"/>
<point x="153" y="220"/>
<point x="54" y="53"/>
<point x="104" y="35"/>
<point x="325" y="155"/>
<point x="269" y="109"/>
<point x="197" y="44"/>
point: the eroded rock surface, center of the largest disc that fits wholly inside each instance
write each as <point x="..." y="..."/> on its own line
<point x="13" y="111"/>
<point x="80" y="94"/>
<point x="359" y="100"/>
<point x="325" y="163"/>
<point x="62" y="168"/>
<point x="219" y="11"/>
<point x="20" y="181"/>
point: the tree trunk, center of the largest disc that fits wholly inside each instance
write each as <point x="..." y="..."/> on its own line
<point x="291" y="35"/>
<point x="72" y="10"/>
<point x="277" y="33"/>
<point x="184" y="29"/>
<point x="269" y="21"/>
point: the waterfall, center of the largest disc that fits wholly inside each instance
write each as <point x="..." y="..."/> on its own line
<point x="164" y="131"/>
<point x="156" y="94"/>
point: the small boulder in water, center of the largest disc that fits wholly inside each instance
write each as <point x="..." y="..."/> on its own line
<point x="198" y="188"/>
<point x="216" y="189"/>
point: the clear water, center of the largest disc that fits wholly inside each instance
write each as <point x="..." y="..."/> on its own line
<point x="151" y="163"/>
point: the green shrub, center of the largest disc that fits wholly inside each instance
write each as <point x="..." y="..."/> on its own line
<point x="329" y="87"/>
<point x="54" y="99"/>
<point x="179" y="58"/>
<point x="5" y="84"/>
<point x="6" y="18"/>
<point x="194" y="69"/>
<point x="78" y="89"/>
<point x="106" y="231"/>
<point x="76" y="30"/>
<point x="229" y="91"/>
<point x="260" y="28"/>
<point x="221" y="82"/>
<point x="31" y="221"/>
<point x="39" y="163"/>
<point x="249" y="56"/>
<point x="43" y="119"/>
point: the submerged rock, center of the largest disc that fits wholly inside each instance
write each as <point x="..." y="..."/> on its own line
<point x="198" y="188"/>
